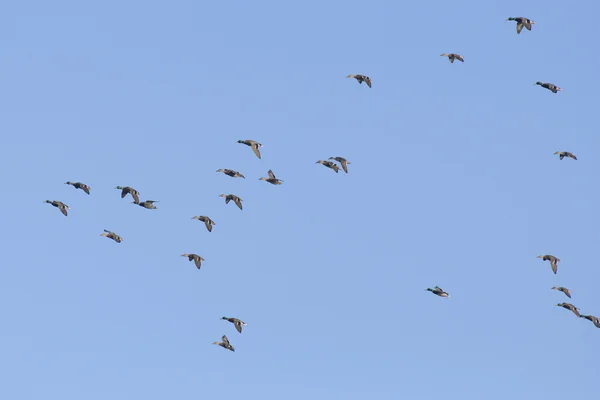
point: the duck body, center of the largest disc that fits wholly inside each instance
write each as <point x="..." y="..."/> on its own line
<point x="60" y="205"/>
<point x="230" y="197"/>
<point x="563" y="154"/>
<point x="551" y="87"/>
<point x="438" y="291"/>
<point x="149" y="204"/>
<point x="272" y="179"/>
<point x="361" y="79"/>
<point x="521" y="22"/>
<point x="570" y="307"/>
<point x="553" y="261"/>
<point x="231" y="173"/>
<point x="195" y="258"/>
<point x="79" y="185"/>
<point x="343" y="162"/>
<point x="207" y="221"/>
<point x="236" y="322"/>
<point x="566" y="291"/>
<point x="594" y="320"/>
<point x="453" y="56"/>
<point x="125" y="190"/>
<point x="224" y="343"/>
<point x="253" y="144"/>
<point x="329" y="164"/>
<point x="112" y="235"/>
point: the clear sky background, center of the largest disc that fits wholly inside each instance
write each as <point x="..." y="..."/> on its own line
<point x="453" y="182"/>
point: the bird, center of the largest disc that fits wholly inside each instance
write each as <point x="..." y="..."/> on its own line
<point x="570" y="307"/>
<point x="361" y="79"/>
<point x="521" y="22"/>
<point x="566" y="291"/>
<point x="129" y="190"/>
<point x="207" y="221"/>
<point x="225" y="343"/>
<point x="271" y="179"/>
<point x="595" y="320"/>
<point x="79" y="185"/>
<point x="553" y="261"/>
<point x="438" y="290"/>
<point x="229" y="197"/>
<point x="149" y="204"/>
<point x="563" y="154"/>
<point x="253" y="144"/>
<point x="194" y="257"/>
<point x="232" y="173"/>
<point x="549" y="86"/>
<point x="236" y="322"/>
<point x="60" y="205"/>
<point x="112" y="235"/>
<point x="329" y="164"/>
<point x="453" y="56"/>
<point x="343" y="162"/>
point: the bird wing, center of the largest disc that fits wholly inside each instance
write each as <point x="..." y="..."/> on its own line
<point x="519" y="27"/>
<point x="460" y="58"/>
<point x="271" y="175"/>
<point x="198" y="262"/>
<point x="225" y="340"/>
<point x="86" y="189"/>
<point x="208" y="225"/>
<point x="344" y="166"/>
<point x="368" y="80"/>
<point x="451" y="59"/>
<point x="63" y="209"/>
<point x="238" y="325"/>
<point x="527" y="24"/>
<point x="238" y="202"/>
<point x="255" y="149"/>
<point x="553" y="265"/>
<point x="574" y="309"/>
<point x="567" y="292"/>
<point x="135" y="196"/>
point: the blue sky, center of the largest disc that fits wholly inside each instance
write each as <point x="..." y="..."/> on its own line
<point x="453" y="182"/>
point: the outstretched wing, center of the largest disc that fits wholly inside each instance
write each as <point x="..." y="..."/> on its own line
<point x="225" y="341"/>
<point x="135" y="196"/>
<point x="238" y="325"/>
<point x="271" y="175"/>
<point x="255" y="149"/>
<point x="519" y="27"/>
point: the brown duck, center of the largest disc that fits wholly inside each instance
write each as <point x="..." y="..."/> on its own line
<point x="566" y="291"/>
<point x="194" y="257"/>
<point x="231" y="173"/>
<point x="570" y="307"/>
<point x="553" y="261"/>
<point x="207" y="221"/>
<point x="229" y="197"/>
<point x="549" y="86"/>
<point x="60" y="205"/>
<point x="253" y="144"/>
<point x="225" y="343"/>
<point x="149" y="204"/>
<point x="112" y="235"/>
<point x="343" y="162"/>
<point x="563" y="154"/>
<point x="329" y="164"/>
<point x="272" y="179"/>
<point x="125" y="190"/>
<point x="236" y="322"/>
<point x="361" y="79"/>
<point x="79" y="185"/>
<point x="521" y="22"/>
<point x="453" y="56"/>
<point x="438" y="291"/>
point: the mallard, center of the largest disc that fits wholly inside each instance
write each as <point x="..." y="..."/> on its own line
<point x="553" y="261"/>
<point x="60" y="205"/>
<point x="149" y="204"/>
<point x="595" y="320"/>
<point x="112" y="235"/>
<point x="563" y="154"/>
<point x="570" y="307"/>
<point x="343" y="162"/>
<point x="194" y="257"/>
<point x="329" y="164"/>
<point x="563" y="289"/>
<point x="521" y="22"/>
<point x="438" y="290"/>
<point x="225" y="343"/>
<point x="254" y="145"/>
<point x="232" y="173"/>
<point x="207" y="221"/>
<point x="134" y="193"/>
<point x="238" y="324"/>
<point x="453" y="56"/>
<point x="361" y="79"/>
<point x="229" y="197"/>
<point x="79" y="185"/>
<point x="271" y="179"/>
<point x="549" y="86"/>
